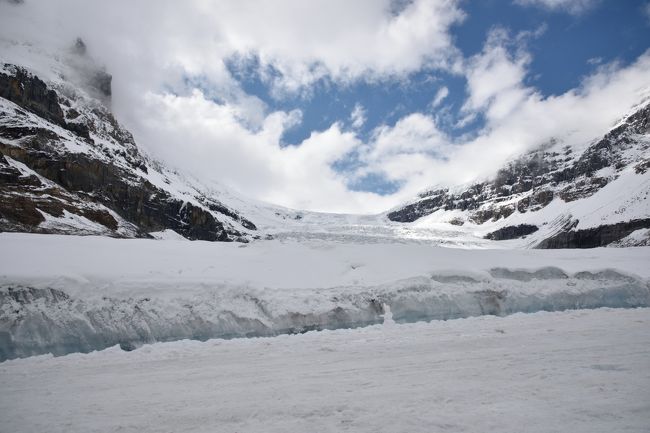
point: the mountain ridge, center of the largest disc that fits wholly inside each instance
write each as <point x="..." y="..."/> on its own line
<point x="552" y="172"/>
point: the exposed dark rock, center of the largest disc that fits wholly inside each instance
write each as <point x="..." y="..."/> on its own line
<point x="86" y="183"/>
<point x="535" y="201"/>
<point x="457" y="221"/>
<point x="29" y="295"/>
<point x="24" y="200"/>
<point x="218" y="207"/>
<point x="594" y="237"/>
<point x="494" y="213"/>
<point x="642" y="167"/>
<point x="582" y="188"/>
<point x="31" y="93"/>
<point x="427" y="205"/>
<point x="136" y="200"/>
<point x="512" y="232"/>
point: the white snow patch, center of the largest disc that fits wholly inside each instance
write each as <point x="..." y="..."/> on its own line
<point x="167" y="235"/>
<point x="69" y="222"/>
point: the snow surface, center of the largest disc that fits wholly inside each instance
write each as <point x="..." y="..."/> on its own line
<point x="89" y="266"/>
<point x="578" y="371"/>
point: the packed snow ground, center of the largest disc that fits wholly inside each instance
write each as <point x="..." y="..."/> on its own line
<point x="97" y="266"/>
<point x="577" y="371"/>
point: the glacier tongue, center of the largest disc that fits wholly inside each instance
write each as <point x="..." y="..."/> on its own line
<point x="43" y="320"/>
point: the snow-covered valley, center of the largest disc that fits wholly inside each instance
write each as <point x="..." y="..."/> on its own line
<point x="176" y="256"/>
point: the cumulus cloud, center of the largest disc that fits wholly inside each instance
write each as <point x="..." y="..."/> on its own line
<point x="495" y="77"/>
<point x="219" y="148"/>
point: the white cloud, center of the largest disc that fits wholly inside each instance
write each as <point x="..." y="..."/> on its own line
<point x="441" y="94"/>
<point x="153" y="47"/>
<point x="575" y="7"/>
<point x="292" y="43"/>
<point x="517" y="118"/>
<point x="358" y="116"/>
<point x="194" y="132"/>
<point x="495" y="78"/>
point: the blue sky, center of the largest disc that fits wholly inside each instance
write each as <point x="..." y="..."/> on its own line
<point x="341" y="106"/>
<point x="567" y="47"/>
<point x="564" y="48"/>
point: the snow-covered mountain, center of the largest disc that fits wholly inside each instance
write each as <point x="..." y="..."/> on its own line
<point x="68" y="167"/>
<point x="558" y="196"/>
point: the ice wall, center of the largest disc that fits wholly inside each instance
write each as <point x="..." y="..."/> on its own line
<point x="36" y="321"/>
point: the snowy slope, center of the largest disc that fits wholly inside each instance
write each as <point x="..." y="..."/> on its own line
<point x="585" y="195"/>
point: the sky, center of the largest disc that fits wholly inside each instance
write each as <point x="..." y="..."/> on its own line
<point x="340" y="106"/>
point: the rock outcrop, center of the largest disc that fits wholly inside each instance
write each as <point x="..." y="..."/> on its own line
<point x="594" y="237"/>
<point x="512" y="232"/>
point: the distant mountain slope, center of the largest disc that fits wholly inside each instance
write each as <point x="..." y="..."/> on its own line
<point x="67" y="166"/>
<point x="558" y="196"/>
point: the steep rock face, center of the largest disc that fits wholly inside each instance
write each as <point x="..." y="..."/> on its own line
<point x="96" y="168"/>
<point x="28" y="202"/>
<point x="31" y="93"/>
<point x="594" y="237"/>
<point x="512" y="232"/>
<point x="553" y="172"/>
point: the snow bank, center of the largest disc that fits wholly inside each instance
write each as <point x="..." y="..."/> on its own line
<point x="35" y="321"/>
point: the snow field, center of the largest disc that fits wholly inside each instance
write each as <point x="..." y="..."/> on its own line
<point x="577" y="371"/>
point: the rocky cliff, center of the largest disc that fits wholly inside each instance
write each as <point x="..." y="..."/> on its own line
<point x="67" y="166"/>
